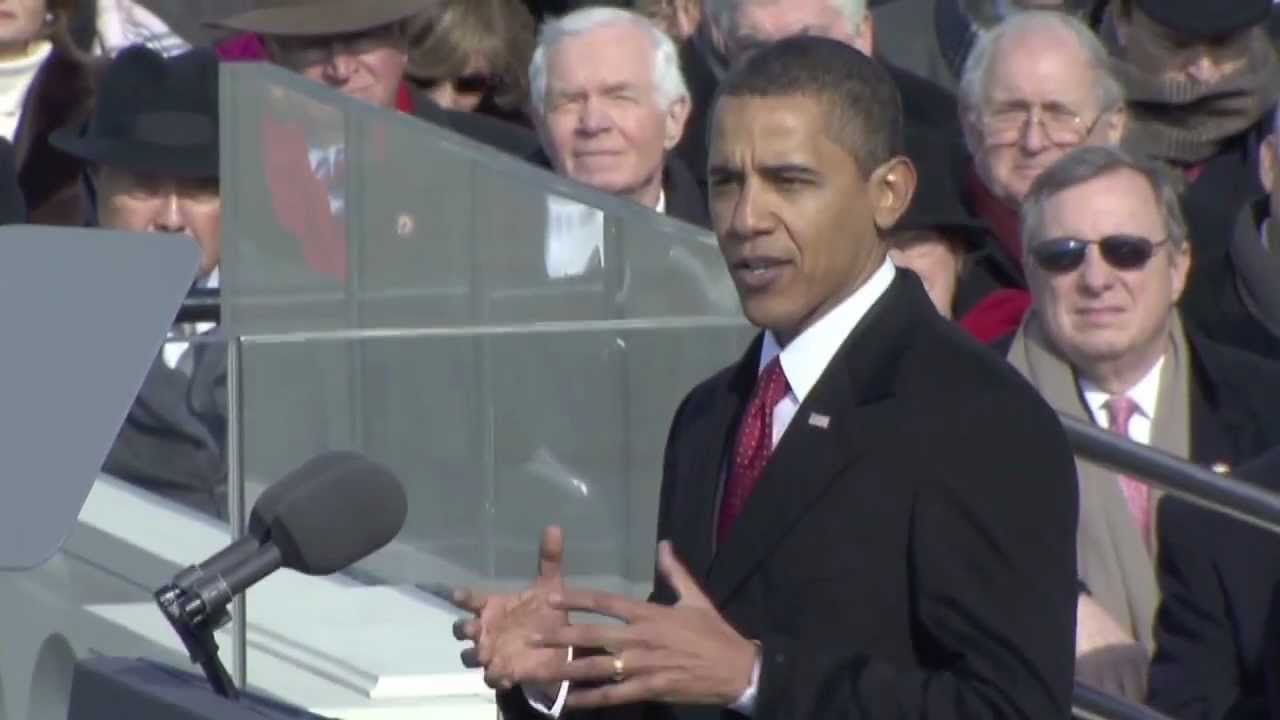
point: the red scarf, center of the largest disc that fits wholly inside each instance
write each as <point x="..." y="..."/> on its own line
<point x="1002" y="219"/>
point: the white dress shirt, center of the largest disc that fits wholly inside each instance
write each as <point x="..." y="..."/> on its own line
<point x="175" y="347"/>
<point x="1144" y="395"/>
<point x="803" y="360"/>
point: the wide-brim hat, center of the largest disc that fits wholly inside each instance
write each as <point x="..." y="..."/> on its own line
<point x="1198" y="19"/>
<point x="154" y="115"/>
<point x="938" y="203"/>
<point x="307" y="18"/>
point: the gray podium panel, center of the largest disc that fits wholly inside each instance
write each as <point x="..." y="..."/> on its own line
<point x="84" y="313"/>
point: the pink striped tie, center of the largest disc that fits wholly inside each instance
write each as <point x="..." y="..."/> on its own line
<point x="1120" y="410"/>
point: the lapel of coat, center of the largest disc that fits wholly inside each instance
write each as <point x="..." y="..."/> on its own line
<point x="854" y="394"/>
<point x="706" y="443"/>
<point x="1218" y="434"/>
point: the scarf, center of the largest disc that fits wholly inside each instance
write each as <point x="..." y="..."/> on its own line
<point x="1112" y="558"/>
<point x="1187" y="123"/>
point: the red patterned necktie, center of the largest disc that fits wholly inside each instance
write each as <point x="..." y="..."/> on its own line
<point x="753" y="446"/>
<point x="1120" y="410"/>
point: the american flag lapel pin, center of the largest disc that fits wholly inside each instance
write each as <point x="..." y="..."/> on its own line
<point x="820" y="421"/>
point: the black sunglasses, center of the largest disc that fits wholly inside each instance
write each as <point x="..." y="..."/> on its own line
<point x="1122" y="252"/>
<point x="470" y="84"/>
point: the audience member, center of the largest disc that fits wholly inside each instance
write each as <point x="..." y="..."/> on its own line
<point x="937" y="237"/>
<point x="1234" y="295"/>
<point x="678" y="18"/>
<point x="1218" y="626"/>
<point x="121" y="23"/>
<point x="45" y="83"/>
<point x="1201" y="79"/>
<point x="1035" y="86"/>
<point x="1107" y="258"/>
<point x="952" y="586"/>
<point x="742" y="26"/>
<point x="152" y="149"/>
<point x="361" y="50"/>
<point x="609" y="104"/>
<point x="473" y="56"/>
<point x="933" y="38"/>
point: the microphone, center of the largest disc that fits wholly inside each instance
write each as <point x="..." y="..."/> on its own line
<point x="298" y="531"/>
<point x="264" y="510"/>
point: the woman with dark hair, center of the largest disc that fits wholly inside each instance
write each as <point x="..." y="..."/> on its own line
<point x="473" y="56"/>
<point x="45" y="83"/>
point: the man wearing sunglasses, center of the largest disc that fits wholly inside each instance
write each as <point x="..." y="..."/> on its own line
<point x="1107" y="255"/>
<point x="1035" y="86"/>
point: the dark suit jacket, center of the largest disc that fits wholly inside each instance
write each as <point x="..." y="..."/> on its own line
<point x="1218" y="629"/>
<point x="889" y="567"/>
<point x="1213" y="301"/>
<point x="684" y="194"/>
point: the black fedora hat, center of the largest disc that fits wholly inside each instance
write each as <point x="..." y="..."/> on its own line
<point x="308" y="18"/>
<point x="1206" y="18"/>
<point x="153" y="115"/>
<point x="938" y="203"/>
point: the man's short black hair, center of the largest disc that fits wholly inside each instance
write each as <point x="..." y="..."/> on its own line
<point x="863" y="108"/>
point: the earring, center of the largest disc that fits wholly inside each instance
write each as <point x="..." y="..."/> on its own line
<point x="49" y="18"/>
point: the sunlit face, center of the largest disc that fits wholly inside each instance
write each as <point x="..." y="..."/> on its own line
<point x="1156" y="50"/>
<point x="367" y="66"/>
<point x="760" y="22"/>
<point x="603" y="122"/>
<point x="463" y="92"/>
<point x="134" y="202"/>
<point x="21" y="22"/>
<point x="1097" y="314"/>
<point x="1044" y="81"/>
<point x="797" y="220"/>
<point x="936" y="258"/>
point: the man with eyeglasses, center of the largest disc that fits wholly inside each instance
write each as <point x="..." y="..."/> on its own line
<point x="1035" y="86"/>
<point x="1107" y="255"/>
<point x="1201" y="78"/>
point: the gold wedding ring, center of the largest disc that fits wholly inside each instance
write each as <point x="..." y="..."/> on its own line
<point x="618" y="669"/>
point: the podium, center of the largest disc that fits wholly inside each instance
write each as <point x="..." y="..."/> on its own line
<point x="106" y="688"/>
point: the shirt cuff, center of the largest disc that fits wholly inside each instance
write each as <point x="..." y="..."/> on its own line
<point x="550" y="707"/>
<point x="746" y="703"/>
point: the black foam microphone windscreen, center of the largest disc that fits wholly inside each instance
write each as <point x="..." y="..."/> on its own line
<point x="299" y="480"/>
<point x="343" y="516"/>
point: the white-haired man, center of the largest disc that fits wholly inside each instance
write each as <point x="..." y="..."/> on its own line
<point x="609" y="103"/>
<point x="1035" y="86"/>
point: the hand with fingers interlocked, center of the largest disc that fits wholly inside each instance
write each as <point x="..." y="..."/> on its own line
<point x="682" y="654"/>
<point x="502" y="627"/>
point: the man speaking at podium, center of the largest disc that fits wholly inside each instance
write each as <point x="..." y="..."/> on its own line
<point x="868" y="516"/>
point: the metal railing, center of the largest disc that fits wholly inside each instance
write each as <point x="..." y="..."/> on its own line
<point x="1215" y="491"/>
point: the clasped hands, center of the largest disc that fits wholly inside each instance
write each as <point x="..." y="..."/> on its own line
<point x="684" y="653"/>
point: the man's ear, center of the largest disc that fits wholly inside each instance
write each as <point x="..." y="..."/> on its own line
<point x="1267" y="164"/>
<point x="677" y="116"/>
<point x="1122" y="20"/>
<point x="893" y="184"/>
<point x="865" y="40"/>
<point x="1116" y="122"/>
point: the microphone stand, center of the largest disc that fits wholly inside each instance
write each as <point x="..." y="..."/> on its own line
<point x="195" y="626"/>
